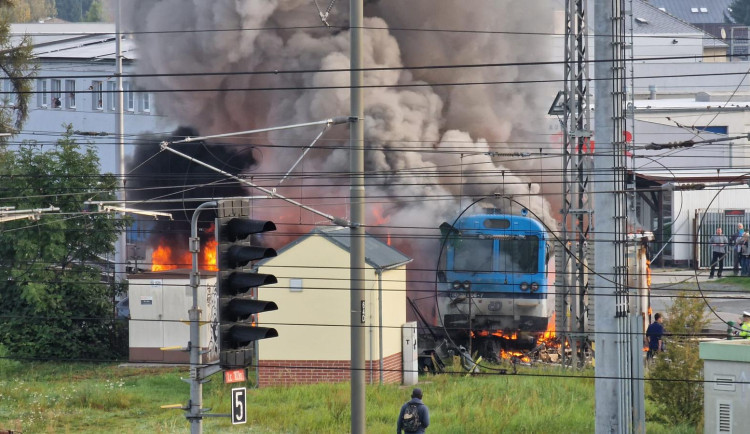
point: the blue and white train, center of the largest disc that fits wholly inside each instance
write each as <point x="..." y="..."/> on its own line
<point x="496" y="278"/>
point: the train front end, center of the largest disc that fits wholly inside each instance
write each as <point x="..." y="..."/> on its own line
<point x="495" y="278"/>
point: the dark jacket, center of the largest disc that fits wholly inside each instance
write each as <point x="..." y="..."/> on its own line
<point x="424" y="415"/>
<point x="654" y="332"/>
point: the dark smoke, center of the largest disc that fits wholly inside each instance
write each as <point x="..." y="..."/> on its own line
<point x="154" y="175"/>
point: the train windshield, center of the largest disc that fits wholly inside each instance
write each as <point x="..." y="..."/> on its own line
<point x="473" y="255"/>
<point x="520" y="255"/>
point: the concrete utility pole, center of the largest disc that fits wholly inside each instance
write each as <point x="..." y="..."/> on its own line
<point x="121" y="246"/>
<point x="357" y="204"/>
<point x="619" y="393"/>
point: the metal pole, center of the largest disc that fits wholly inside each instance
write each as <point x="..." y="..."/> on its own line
<point x="120" y="246"/>
<point x="194" y="412"/>
<point x="380" y="323"/>
<point x="357" y="206"/>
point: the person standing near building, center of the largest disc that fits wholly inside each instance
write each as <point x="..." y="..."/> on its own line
<point x="414" y="416"/>
<point x="745" y="254"/>
<point x="719" y="243"/>
<point x="736" y="241"/>
<point x="655" y="334"/>
<point x="745" y="326"/>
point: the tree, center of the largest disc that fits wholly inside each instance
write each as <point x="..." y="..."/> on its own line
<point x="72" y="10"/>
<point x="676" y="377"/>
<point x="16" y="64"/>
<point x="24" y="11"/>
<point x="53" y="301"/>
<point x="740" y="11"/>
<point x="95" y="12"/>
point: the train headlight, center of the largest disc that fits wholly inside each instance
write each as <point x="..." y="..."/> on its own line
<point x="456" y="285"/>
<point x="524" y="286"/>
<point x="467" y="285"/>
<point x="534" y="286"/>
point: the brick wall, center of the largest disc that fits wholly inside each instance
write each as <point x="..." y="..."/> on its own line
<point x="286" y="372"/>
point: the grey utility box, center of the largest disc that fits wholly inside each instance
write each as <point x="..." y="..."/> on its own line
<point x="726" y="391"/>
<point x="159" y="304"/>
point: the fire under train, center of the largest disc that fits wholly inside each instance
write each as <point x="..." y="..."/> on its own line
<point x="496" y="279"/>
<point x="496" y="285"/>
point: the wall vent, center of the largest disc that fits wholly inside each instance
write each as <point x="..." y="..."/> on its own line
<point x="724" y="382"/>
<point x="724" y="417"/>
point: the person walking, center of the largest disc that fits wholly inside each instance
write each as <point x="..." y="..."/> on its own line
<point x="745" y="326"/>
<point x="655" y="335"/>
<point x="736" y="241"/>
<point x="414" y="416"/>
<point x="719" y="243"/>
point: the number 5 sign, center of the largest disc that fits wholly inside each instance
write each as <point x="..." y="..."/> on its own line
<point x="239" y="401"/>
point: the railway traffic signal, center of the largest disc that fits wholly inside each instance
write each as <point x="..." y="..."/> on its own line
<point x="236" y="284"/>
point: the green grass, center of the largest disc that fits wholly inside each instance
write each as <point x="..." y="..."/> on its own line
<point x="80" y="398"/>
<point x="739" y="282"/>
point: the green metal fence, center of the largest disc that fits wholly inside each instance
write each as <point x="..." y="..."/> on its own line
<point x="705" y="224"/>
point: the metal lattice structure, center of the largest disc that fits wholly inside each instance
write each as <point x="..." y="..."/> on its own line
<point x="572" y="310"/>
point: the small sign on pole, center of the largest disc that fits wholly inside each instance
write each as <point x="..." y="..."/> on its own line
<point x="239" y="407"/>
<point x="235" y="376"/>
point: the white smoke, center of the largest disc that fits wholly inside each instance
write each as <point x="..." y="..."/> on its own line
<point x="429" y="144"/>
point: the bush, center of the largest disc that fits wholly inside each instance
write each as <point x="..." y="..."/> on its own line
<point x="675" y="378"/>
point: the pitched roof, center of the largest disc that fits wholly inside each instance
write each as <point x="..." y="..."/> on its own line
<point x="89" y="41"/>
<point x="377" y="254"/>
<point x="696" y="11"/>
<point x="648" y="19"/>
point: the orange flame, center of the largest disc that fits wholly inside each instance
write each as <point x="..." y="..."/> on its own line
<point x="209" y="256"/>
<point x="164" y="257"/>
<point x="507" y="355"/>
<point x="549" y="334"/>
<point x="161" y="259"/>
<point x="496" y="333"/>
<point x="380" y="219"/>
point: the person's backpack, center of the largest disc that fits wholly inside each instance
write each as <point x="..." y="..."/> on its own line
<point x="411" y="418"/>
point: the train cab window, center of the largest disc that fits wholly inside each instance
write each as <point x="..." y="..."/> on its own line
<point x="497" y="223"/>
<point x="473" y="255"/>
<point x="520" y="255"/>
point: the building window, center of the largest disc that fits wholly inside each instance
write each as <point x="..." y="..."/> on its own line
<point x="41" y="93"/>
<point x="146" y="102"/>
<point x="70" y="94"/>
<point x="128" y="94"/>
<point x="97" y="95"/>
<point x="112" y="95"/>
<point x="56" y="102"/>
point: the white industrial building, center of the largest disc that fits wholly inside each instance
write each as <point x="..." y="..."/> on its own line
<point x="76" y="85"/>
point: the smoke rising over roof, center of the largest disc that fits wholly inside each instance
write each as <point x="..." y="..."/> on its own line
<point x="405" y="126"/>
<point x="430" y="136"/>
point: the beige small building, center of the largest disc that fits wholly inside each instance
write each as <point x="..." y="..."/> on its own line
<point x="314" y="310"/>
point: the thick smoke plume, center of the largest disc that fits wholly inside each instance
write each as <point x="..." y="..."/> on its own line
<point x="432" y="141"/>
<point x="165" y="182"/>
